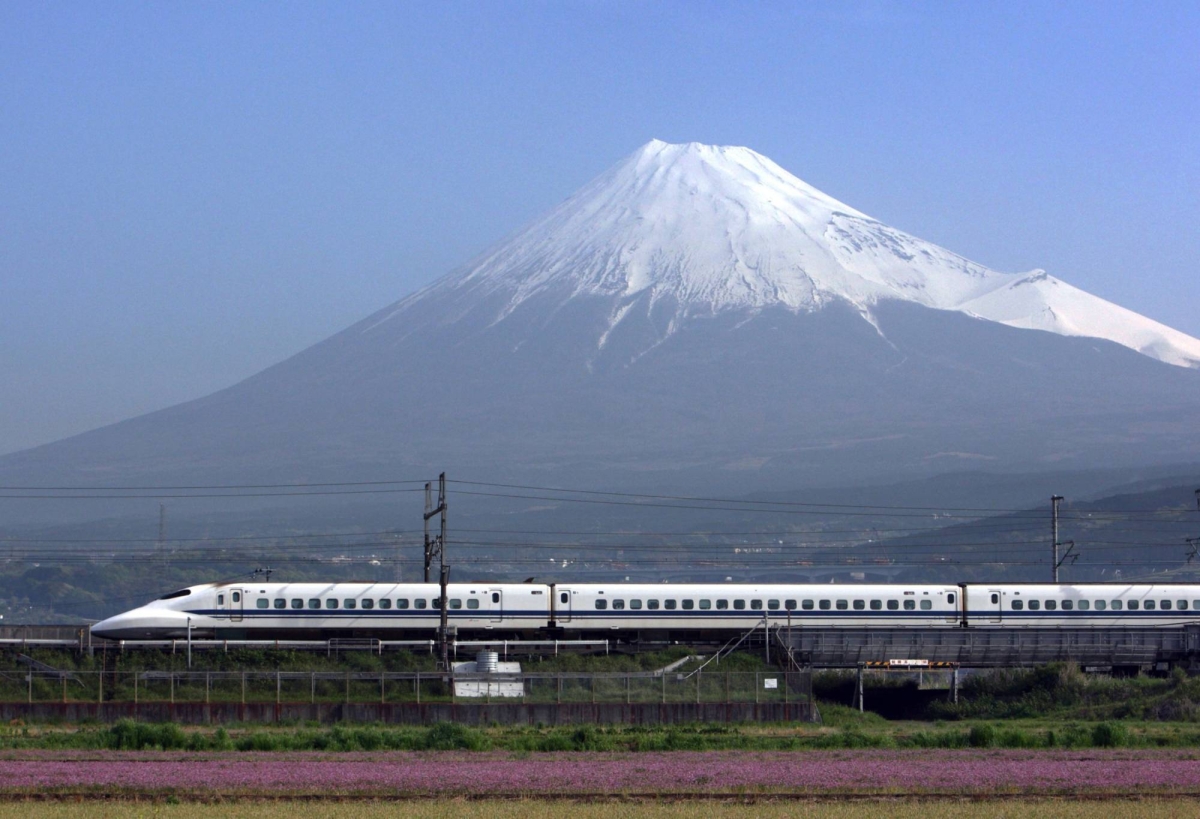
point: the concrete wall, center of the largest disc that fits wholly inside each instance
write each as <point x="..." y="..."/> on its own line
<point x="407" y="713"/>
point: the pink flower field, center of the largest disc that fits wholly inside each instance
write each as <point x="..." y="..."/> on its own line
<point x="481" y="774"/>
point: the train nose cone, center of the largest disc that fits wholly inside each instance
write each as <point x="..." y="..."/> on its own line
<point x="142" y="624"/>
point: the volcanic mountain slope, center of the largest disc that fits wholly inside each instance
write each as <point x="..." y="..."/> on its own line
<point x="695" y="309"/>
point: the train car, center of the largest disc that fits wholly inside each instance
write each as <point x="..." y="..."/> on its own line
<point x="580" y="607"/>
<point x="1032" y="605"/>
<point x="324" y="610"/>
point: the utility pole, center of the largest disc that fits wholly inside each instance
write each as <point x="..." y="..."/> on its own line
<point x="437" y="547"/>
<point x="1194" y="542"/>
<point x="1054" y="501"/>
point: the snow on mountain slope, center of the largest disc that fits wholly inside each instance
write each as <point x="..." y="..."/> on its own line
<point x="705" y="229"/>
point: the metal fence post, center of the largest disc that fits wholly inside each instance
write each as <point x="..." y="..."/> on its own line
<point x="664" y="687"/>
<point x="207" y="685"/>
<point x="135" y="686"/>
<point x="100" y="695"/>
<point x="382" y="687"/>
<point x="277" y="686"/>
<point x="312" y="685"/>
<point x="243" y="688"/>
<point x="347" y="688"/>
<point x="417" y="684"/>
<point x="172" y="676"/>
<point x="697" y="686"/>
<point x="756" y="676"/>
<point x="30" y="678"/>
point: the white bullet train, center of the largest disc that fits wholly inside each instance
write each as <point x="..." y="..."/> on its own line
<point x="240" y="610"/>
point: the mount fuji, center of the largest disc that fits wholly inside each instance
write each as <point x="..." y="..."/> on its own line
<point x="696" y="314"/>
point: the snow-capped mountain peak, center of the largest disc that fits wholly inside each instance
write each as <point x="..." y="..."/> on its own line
<point x="702" y="229"/>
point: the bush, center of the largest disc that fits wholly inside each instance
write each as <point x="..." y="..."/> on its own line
<point x="127" y="735"/>
<point x="1109" y="735"/>
<point x="449" y="736"/>
<point x="981" y="736"/>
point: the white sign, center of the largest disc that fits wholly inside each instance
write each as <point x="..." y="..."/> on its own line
<point x="770" y="682"/>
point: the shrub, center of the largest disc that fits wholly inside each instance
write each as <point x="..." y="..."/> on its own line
<point x="1109" y="735"/>
<point x="449" y="736"/>
<point x="981" y="736"/>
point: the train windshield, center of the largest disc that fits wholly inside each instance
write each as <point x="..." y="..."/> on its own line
<point x="174" y="594"/>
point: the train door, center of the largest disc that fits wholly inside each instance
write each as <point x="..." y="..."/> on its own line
<point x="995" y="605"/>
<point x="562" y="606"/>
<point x="497" y="604"/>
<point x="230" y="602"/>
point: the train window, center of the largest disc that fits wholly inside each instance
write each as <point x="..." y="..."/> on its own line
<point x="1067" y="605"/>
<point x="263" y="603"/>
<point x="455" y="603"/>
<point x="402" y="603"/>
<point x="1116" y="605"/>
<point x="740" y="605"/>
<point x="562" y="598"/>
<point x="876" y="605"/>
<point x="1101" y="605"/>
<point x="689" y="604"/>
<point x="893" y="605"/>
<point x="757" y="604"/>
<point x="280" y="603"/>
<point x="351" y="603"/>
<point x="237" y="597"/>
<point x="368" y="603"/>
<point x="1181" y="604"/>
<point x="635" y="604"/>
<point x="297" y="603"/>
<point x="1149" y="605"/>
<point x="823" y="605"/>
<point x="652" y="605"/>
<point x="842" y="605"/>
<point x="772" y="605"/>
<point x="722" y="604"/>
<point x="419" y="603"/>
<point x="331" y="603"/>
<point x="1084" y="605"/>
<point x="472" y="602"/>
<point x="807" y="605"/>
<point x="995" y="597"/>
<point x="668" y="604"/>
<point x="790" y="605"/>
<point x="950" y="598"/>
<point x="1051" y="605"/>
<point x="220" y="599"/>
<point x="1034" y="605"/>
<point x="909" y="605"/>
<point x="385" y="603"/>
<point x="314" y="603"/>
<point x="496" y="597"/>
<point x="1017" y="605"/>
<point x="706" y="604"/>
<point x="1196" y="604"/>
<point x="859" y="605"/>
<point x="601" y="605"/>
<point x="926" y="605"/>
<point x="1133" y="604"/>
<point x="618" y="604"/>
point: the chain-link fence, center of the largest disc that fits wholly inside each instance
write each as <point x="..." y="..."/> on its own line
<point x="404" y="687"/>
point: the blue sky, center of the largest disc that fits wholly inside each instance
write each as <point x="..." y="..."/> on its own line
<point x="191" y="192"/>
